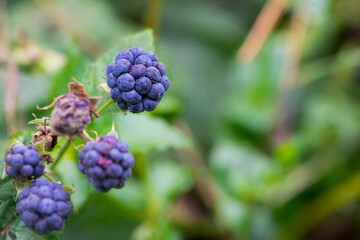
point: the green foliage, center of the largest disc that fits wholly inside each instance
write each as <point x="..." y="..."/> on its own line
<point x="233" y="151"/>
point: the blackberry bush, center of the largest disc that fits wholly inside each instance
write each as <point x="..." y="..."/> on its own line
<point x="44" y="206"/>
<point x="23" y="162"/>
<point x="137" y="80"/>
<point x="106" y="163"/>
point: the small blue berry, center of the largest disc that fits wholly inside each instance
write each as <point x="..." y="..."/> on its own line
<point x="121" y="66"/>
<point x="111" y="81"/>
<point x="157" y="91"/>
<point x="125" y="54"/>
<point x="138" y="71"/>
<point x="125" y="82"/>
<point x="110" y="68"/>
<point x="131" y="97"/>
<point x="153" y="74"/>
<point x="136" y="108"/>
<point x="136" y="51"/>
<point x="44" y="206"/>
<point x="152" y="56"/>
<point x="142" y="59"/>
<point x="165" y="82"/>
<point x="115" y="94"/>
<point x="143" y="85"/>
<point x="149" y="105"/>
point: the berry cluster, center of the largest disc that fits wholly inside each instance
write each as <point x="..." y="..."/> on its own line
<point x="23" y="163"/>
<point x="106" y="163"/>
<point x="44" y="206"/>
<point x="71" y="114"/>
<point x="137" y="80"/>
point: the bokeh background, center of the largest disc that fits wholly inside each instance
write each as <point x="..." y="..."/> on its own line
<point x="257" y="138"/>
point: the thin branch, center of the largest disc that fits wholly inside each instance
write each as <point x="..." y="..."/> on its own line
<point x="264" y="24"/>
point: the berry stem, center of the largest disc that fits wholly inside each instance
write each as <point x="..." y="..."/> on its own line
<point x="105" y="105"/>
<point x="61" y="153"/>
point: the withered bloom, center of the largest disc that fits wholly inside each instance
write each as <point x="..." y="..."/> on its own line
<point x="70" y="115"/>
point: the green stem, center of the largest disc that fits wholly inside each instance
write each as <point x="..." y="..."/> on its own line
<point x="61" y="153"/>
<point x="105" y="105"/>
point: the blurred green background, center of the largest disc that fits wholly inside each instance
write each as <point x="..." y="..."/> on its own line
<point x="257" y="138"/>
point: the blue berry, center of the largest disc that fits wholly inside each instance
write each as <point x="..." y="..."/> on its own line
<point x="121" y="66"/>
<point x="111" y="81"/>
<point x="44" y="206"/>
<point x="136" y="108"/>
<point x="143" y="85"/>
<point x="142" y="59"/>
<point x="23" y="163"/>
<point x="115" y="94"/>
<point x="136" y="51"/>
<point x="106" y="169"/>
<point x="161" y="67"/>
<point x="157" y="91"/>
<point x="138" y="71"/>
<point x="149" y="105"/>
<point x="153" y="74"/>
<point x="122" y="105"/>
<point x="110" y="68"/>
<point x="125" y="54"/>
<point x="165" y="82"/>
<point x="141" y="81"/>
<point x="152" y="56"/>
<point x="131" y="97"/>
<point x="125" y="82"/>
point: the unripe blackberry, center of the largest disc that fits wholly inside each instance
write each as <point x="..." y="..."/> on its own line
<point x="137" y="80"/>
<point x="23" y="163"/>
<point x="44" y="206"/>
<point x="106" y="163"/>
<point x="71" y="115"/>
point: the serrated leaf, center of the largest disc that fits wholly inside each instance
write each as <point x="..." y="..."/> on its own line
<point x="146" y="133"/>
<point x="96" y="72"/>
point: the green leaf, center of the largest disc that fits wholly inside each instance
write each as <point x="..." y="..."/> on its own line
<point x="178" y="180"/>
<point x="251" y="103"/>
<point x="145" y="133"/>
<point x="22" y="232"/>
<point x="130" y="198"/>
<point x="243" y="171"/>
<point x="96" y="72"/>
<point x="7" y="201"/>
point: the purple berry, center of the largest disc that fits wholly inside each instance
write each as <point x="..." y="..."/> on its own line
<point x="24" y="164"/>
<point x="152" y="56"/>
<point x="136" y="108"/>
<point x="125" y="54"/>
<point x="143" y="59"/>
<point x="149" y="105"/>
<point x="125" y="82"/>
<point x="157" y="91"/>
<point x="44" y="206"/>
<point x="136" y="51"/>
<point x="111" y="81"/>
<point x="138" y="71"/>
<point x="121" y="66"/>
<point x="110" y="165"/>
<point x="131" y="97"/>
<point x="115" y="94"/>
<point x="143" y="85"/>
<point x="153" y="74"/>
<point x="165" y="82"/>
